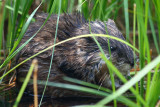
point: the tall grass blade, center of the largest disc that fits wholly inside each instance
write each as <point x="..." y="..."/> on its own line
<point x="157" y="11"/>
<point x="92" y="14"/>
<point x="2" y="19"/>
<point x="87" y="84"/>
<point x="71" y="5"/>
<point x="147" y="46"/>
<point x="153" y="33"/>
<point x="141" y="37"/>
<point x="84" y="8"/>
<point x="25" y="10"/>
<point x="126" y="19"/>
<point x="15" y="15"/>
<point x="34" y="63"/>
<point x="134" y="44"/>
<point x="50" y="5"/>
<point x="87" y="90"/>
<point x="96" y="87"/>
<point x="154" y="94"/>
<point x="50" y="67"/>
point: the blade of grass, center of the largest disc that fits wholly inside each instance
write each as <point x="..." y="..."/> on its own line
<point x="101" y="5"/>
<point x="19" y="12"/>
<point x="25" y="10"/>
<point x="50" y="5"/>
<point x="2" y="19"/>
<point x="71" y="5"/>
<point x="91" y="85"/>
<point x="35" y="87"/>
<point x="154" y="94"/>
<point x="9" y="32"/>
<point x="109" y="9"/>
<point x="34" y="63"/>
<point x="134" y="44"/>
<point x="85" y="89"/>
<point x="87" y="84"/>
<point x="50" y="67"/>
<point x="92" y="16"/>
<point x="141" y="37"/>
<point x="79" y="5"/>
<point x="147" y="47"/>
<point x="126" y="19"/>
<point x="117" y="9"/>
<point x="157" y="10"/>
<point x="64" y="6"/>
<point x="15" y="15"/>
<point x="88" y="35"/>
<point x="153" y="32"/>
<point x="84" y="8"/>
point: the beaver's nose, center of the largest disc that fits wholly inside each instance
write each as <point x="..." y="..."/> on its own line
<point x="135" y="60"/>
<point x="132" y="63"/>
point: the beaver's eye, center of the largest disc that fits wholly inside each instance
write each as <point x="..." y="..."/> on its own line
<point x="112" y="48"/>
<point x="81" y="49"/>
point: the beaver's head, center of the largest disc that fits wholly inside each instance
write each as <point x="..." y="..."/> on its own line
<point x="83" y="59"/>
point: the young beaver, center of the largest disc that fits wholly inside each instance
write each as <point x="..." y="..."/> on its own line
<point x="79" y="58"/>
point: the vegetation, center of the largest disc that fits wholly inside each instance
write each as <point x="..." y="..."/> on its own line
<point x="139" y="20"/>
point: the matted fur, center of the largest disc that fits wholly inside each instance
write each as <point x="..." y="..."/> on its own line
<point x="77" y="58"/>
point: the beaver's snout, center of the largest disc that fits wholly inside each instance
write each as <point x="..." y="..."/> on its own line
<point x="79" y="58"/>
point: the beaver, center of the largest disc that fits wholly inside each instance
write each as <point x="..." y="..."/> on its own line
<point x="79" y="58"/>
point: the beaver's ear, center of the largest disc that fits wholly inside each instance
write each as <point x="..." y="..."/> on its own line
<point x="111" y="22"/>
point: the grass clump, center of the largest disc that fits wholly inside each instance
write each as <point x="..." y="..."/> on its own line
<point x="141" y="16"/>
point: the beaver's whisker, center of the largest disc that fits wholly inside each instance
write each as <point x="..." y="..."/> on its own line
<point x="90" y="59"/>
<point x="79" y="46"/>
<point x="105" y="76"/>
<point x="96" y="68"/>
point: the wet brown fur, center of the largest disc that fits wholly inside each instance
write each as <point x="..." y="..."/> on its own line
<point x="77" y="58"/>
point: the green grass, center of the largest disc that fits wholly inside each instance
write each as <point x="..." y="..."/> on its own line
<point x="134" y="16"/>
<point x="34" y="63"/>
